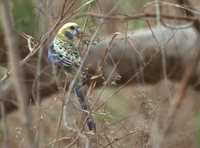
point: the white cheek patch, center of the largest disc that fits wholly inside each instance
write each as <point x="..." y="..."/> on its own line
<point x="74" y="32"/>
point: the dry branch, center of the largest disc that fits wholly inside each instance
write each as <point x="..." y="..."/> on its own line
<point x="124" y="17"/>
<point x="19" y="87"/>
<point x="133" y="51"/>
<point x="192" y="67"/>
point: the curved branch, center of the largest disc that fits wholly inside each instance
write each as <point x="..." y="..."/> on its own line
<point x="128" y="55"/>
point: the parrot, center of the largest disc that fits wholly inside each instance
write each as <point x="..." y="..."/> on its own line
<point x="63" y="54"/>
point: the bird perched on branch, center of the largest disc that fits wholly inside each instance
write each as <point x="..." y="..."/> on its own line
<point x="63" y="54"/>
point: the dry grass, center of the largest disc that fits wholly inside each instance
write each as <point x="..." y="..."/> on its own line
<point x="132" y="116"/>
<point x="135" y="117"/>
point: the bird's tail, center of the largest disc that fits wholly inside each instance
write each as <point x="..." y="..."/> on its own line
<point x="81" y="96"/>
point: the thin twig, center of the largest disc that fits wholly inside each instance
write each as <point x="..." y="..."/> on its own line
<point x="117" y="139"/>
<point x="125" y="84"/>
<point x="174" y="5"/>
<point x="125" y="17"/>
<point x="101" y="66"/>
<point x="179" y="96"/>
<point x="19" y="86"/>
<point x="4" y="124"/>
<point x="61" y="20"/>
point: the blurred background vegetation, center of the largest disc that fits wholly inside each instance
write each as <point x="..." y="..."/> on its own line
<point x="24" y="16"/>
<point x="27" y="20"/>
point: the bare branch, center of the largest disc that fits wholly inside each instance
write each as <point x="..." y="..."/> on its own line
<point x="19" y="86"/>
<point x="125" y="17"/>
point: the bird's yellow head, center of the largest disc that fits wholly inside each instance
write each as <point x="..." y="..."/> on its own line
<point x="68" y="31"/>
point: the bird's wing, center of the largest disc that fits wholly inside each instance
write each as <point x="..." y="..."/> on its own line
<point x="62" y="59"/>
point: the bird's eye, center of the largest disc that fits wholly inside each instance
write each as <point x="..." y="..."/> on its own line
<point x="72" y="27"/>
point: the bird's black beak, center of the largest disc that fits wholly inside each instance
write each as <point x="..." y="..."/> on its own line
<point x="78" y="30"/>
